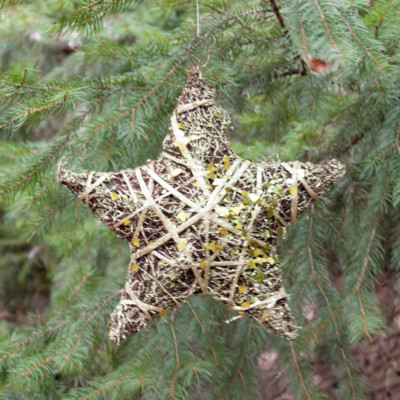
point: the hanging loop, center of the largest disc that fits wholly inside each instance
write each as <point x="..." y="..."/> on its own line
<point x="193" y="58"/>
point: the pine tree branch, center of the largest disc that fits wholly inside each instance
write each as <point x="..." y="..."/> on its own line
<point x="142" y="100"/>
<point x="303" y="69"/>
<point x="102" y="305"/>
<point x="324" y="21"/>
<point x="240" y="363"/>
<point x="278" y="15"/>
<point x="25" y="341"/>
<point x="10" y="95"/>
<point x="320" y="288"/>
<point x="205" y="332"/>
<point x="45" y="361"/>
<point x="352" y="142"/>
<point x="300" y="375"/>
<point x="44" y="163"/>
<point x="303" y="33"/>
<point x="48" y="106"/>
<point x="107" y="386"/>
<point x="73" y="294"/>
<point x="379" y="23"/>
<point x="294" y="71"/>
<point x="91" y="5"/>
<point x="18" y="388"/>
<point x="371" y="240"/>
<point x="357" y="39"/>
<point x="178" y="360"/>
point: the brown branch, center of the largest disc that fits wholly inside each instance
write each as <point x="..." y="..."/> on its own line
<point x="37" y="170"/>
<point x="238" y="368"/>
<point x="43" y="184"/>
<point x="24" y="76"/>
<point x="276" y="11"/>
<point x="6" y="385"/>
<point x="379" y="23"/>
<point x="101" y="8"/>
<point x="303" y="33"/>
<point x="7" y="123"/>
<point x="29" y="338"/>
<point x="52" y="105"/>
<point x="299" y="371"/>
<point x="11" y="94"/>
<point x="32" y="88"/>
<point x="142" y="100"/>
<point x="73" y="294"/>
<point x="205" y="332"/>
<point x="90" y="5"/>
<point x="370" y="241"/>
<point x="327" y="28"/>
<point x="178" y="360"/>
<point x="133" y="120"/>
<point x="320" y="288"/>
<point x="112" y="141"/>
<point x="45" y="361"/>
<point x="356" y="37"/>
<point x="107" y="386"/>
<point x="49" y="216"/>
<point x="89" y="320"/>
<point x="278" y="15"/>
<point x="49" y="158"/>
<point x="294" y="71"/>
<point x="353" y="141"/>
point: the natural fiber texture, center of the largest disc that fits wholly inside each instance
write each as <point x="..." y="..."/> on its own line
<point x="200" y="219"/>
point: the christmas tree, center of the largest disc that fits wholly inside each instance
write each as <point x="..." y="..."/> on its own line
<point x="97" y="82"/>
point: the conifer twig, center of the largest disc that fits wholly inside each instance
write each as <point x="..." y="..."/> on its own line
<point x="178" y="360"/>
<point x="73" y="294"/>
<point x="29" y="338"/>
<point x="45" y="361"/>
<point x="328" y="31"/>
<point x="299" y="371"/>
<point x="90" y="319"/>
<point x="316" y="280"/>
<point x="205" y="332"/>
<point x="370" y="241"/>
<point x="357" y="38"/>
<point x="142" y="100"/>
<point x="48" y="106"/>
<point x="107" y="386"/>
<point x="239" y="365"/>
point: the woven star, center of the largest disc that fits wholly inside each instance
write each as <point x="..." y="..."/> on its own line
<point x="201" y="220"/>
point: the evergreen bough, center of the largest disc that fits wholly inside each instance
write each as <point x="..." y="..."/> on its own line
<point x="96" y="82"/>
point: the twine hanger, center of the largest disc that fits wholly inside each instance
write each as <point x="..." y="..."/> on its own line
<point x="197" y="40"/>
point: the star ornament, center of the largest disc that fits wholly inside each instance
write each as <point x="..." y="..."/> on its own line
<point x="201" y="220"/>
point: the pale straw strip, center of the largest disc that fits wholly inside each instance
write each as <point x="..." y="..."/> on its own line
<point x="213" y="199"/>
<point x="172" y="190"/>
<point x="295" y="197"/>
<point x="89" y="189"/>
<point x="267" y="303"/>
<point x="196" y="169"/>
<point x="175" y="159"/>
<point x="311" y="192"/>
<point x="191" y="106"/>
<point x="131" y="191"/>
